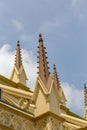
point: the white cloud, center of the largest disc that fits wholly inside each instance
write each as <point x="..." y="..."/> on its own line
<point x="6" y="60"/>
<point x="7" y="57"/>
<point x="17" y="25"/>
<point x="30" y="66"/>
<point x="74" y="96"/>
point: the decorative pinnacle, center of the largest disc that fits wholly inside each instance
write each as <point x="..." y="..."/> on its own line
<point x="40" y="38"/>
<point x="18" y="59"/>
<point x="18" y="43"/>
<point x="43" y="64"/>
<point x="85" y="85"/>
<point x="56" y="79"/>
<point x="85" y="95"/>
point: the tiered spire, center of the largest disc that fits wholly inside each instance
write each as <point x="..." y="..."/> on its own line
<point x="18" y="59"/>
<point x="18" y="74"/>
<point x="56" y="79"/>
<point x="43" y="64"/>
<point x="85" y="95"/>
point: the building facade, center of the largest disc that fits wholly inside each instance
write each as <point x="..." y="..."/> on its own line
<point x="42" y="109"/>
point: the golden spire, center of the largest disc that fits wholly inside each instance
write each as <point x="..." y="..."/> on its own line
<point x="18" y="59"/>
<point x="85" y="95"/>
<point x="18" y="74"/>
<point x="43" y="64"/>
<point x="56" y="79"/>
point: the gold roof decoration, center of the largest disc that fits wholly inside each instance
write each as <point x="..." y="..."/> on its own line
<point x="18" y="59"/>
<point x="43" y="64"/>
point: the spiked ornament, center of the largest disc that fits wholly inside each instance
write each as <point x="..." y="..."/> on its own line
<point x="85" y="95"/>
<point x="43" y="64"/>
<point x="18" y="59"/>
<point x="56" y="79"/>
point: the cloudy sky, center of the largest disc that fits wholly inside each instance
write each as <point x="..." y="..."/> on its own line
<point x="63" y="24"/>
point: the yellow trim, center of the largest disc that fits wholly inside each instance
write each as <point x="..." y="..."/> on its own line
<point x="74" y="120"/>
<point x="16" y="92"/>
<point x="6" y="81"/>
<point x="71" y="126"/>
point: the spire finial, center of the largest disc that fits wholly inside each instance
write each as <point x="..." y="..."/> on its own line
<point x="85" y="94"/>
<point x="40" y="34"/>
<point x="43" y="64"/>
<point x="18" y="59"/>
<point x="54" y="66"/>
<point x="84" y="85"/>
<point x="18" y="74"/>
<point x="40" y="38"/>
<point x="56" y="79"/>
<point x="18" y="43"/>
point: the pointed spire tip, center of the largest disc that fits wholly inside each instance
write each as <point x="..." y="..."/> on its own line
<point x="18" y="58"/>
<point x="56" y="79"/>
<point x="43" y="63"/>
<point x="18" y="43"/>
<point x="40" y="34"/>
<point x="54" y="66"/>
<point x="40" y="37"/>
<point x="84" y="85"/>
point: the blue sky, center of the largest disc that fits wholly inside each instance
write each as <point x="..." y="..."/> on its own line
<point x="63" y="24"/>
